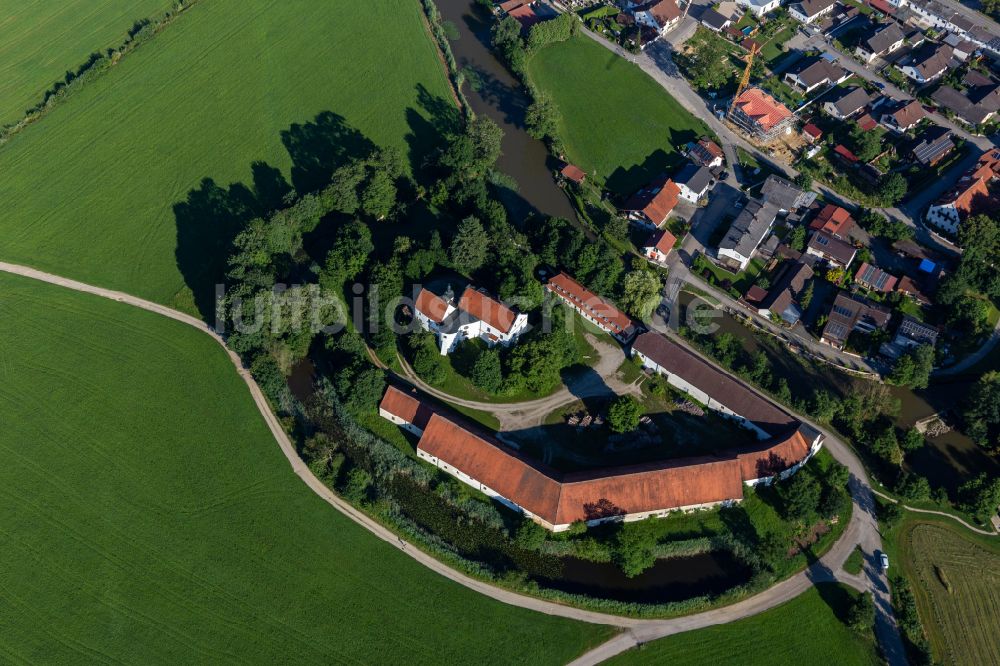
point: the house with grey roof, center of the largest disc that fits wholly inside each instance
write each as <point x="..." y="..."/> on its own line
<point x="976" y="104"/>
<point x="815" y="72"/>
<point x="714" y="21"/>
<point x="694" y="182"/>
<point x="933" y="146"/>
<point x="746" y="233"/>
<point x="852" y="313"/>
<point x="847" y="103"/>
<point x="784" y="194"/>
<point x="807" y="11"/>
<point x="926" y="64"/>
<point x="880" y="42"/>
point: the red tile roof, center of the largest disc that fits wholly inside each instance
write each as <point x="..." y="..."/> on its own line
<point x="833" y="220"/>
<point x="812" y="131"/>
<point x="662" y="240"/>
<point x="573" y="173"/>
<point x="431" y="305"/>
<point x="774" y="457"/>
<point x="406" y="407"/>
<point x="655" y="201"/>
<point x="845" y="153"/>
<point x="867" y="123"/>
<point x="580" y="297"/>
<point x="486" y="309"/>
<point x="582" y="496"/>
<point x="875" y="278"/>
<point x="762" y="108"/>
<point x="665" y="11"/>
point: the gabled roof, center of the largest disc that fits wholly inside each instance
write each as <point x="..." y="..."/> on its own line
<point x="763" y="109"/>
<point x="908" y="114"/>
<point x="833" y="220"/>
<point x="787" y="287"/>
<point x="749" y="228"/>
<point x="917" y="331"/>
<point x="882" y="38"/>
<point x="694" y="177"/>
<point x="812" y="131"/>
<point x="875" y="278"/>
<point x="932" y="59"/>
<point x="573" y="173"/>
<point x="655" y="201"/>
<point x="664" y="11"/>
<point x="847" y="312"/>
<point x="785" y="194"/>
<point x="935" y="143"/>
<point x="662" y="240"/>
<point x="431" y="306"/>
<point x="406" y="407"/>
<point x="486" y="309"/>
<point x="815" y="71"/>
<point x="714" y="19"/>
<point x="831" y="246"/>
<point x="584" y="299"/>
<point x="845" y="152"/>
<point x="705" y="151"/>
<point x="811" y="8"/>
<point x="851" y="101"/>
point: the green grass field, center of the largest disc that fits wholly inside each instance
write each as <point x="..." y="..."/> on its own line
<point x="806" y="630"/>
<point x="957" y="585"/>
<point x="41" y="39"/>
<point x="148" y="516"/>
<point x="616" y="121"/>
<point x="92" y="190"/>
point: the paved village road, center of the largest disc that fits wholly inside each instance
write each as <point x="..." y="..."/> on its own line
<point x="862" y="529"/>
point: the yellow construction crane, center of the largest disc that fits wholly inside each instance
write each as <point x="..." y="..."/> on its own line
<point x="746" y="77"/>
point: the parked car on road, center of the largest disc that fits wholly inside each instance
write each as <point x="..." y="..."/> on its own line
<point x="884" y="559"/>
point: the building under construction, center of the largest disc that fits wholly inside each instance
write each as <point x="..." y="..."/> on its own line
<point x="760" y="115"/>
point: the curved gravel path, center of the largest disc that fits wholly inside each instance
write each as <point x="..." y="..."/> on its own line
<point x="828" y="568"/>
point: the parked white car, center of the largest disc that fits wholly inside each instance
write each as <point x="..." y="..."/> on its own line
<point x="885" y="561"/>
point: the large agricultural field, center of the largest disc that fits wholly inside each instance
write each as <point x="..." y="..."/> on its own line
<point x="40" y="40"/>
<point x="957" y="585"/>
<point x="615" y="121"/>
<point x="805" y="630"/>
<point x="96" y="189"/>
<point x="148" y="517"/>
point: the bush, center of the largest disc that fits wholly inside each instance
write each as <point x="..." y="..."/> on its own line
<point x="624" y="414"/>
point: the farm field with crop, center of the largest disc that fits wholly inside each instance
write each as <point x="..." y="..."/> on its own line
<point x="957" y="585"/>
<point x="40" y="40"/>
<point x="615" y="121"/>
<point x="108" y="187"/>
<point x="806" y="630"/>
<point x="148" y="516"/>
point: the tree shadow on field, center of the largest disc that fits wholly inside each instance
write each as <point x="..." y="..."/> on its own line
<point x="318" y="147"/>
<point x="211" y="215"/>
<point x="434" y="118"/>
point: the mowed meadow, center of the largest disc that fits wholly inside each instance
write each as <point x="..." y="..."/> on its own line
<point x="96" y="190"/>
<point x="148" y="516"/>
<point x="616" y="121"/>
<point x="40" y="40"/>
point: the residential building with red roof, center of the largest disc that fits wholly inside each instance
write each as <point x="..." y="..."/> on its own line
<point x="592" y="307"/>
<point x="659" y="245"/>
<point x="652" y="205"/>
<point x="760" y="115"/>
<point x="573" y="174"/>
<point x="812" y="133"/>
<point x="659" y="15"/>
<point x="904" y="116"/>
<point x="405" y="410"/>
<point x="705" y="153"/>
<point x="874" y="278"/>
<point x="523" y="11"/>
<point x="971" y="194"/>
<point x="476" y="315"/>
<point x="833" y="220"/>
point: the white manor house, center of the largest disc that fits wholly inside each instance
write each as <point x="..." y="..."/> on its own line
<point x="476" y="315"/>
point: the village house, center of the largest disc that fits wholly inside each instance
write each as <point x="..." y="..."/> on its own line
<point x="808" y="11"/>
<point x="873" y="278"/>
<point x="784" y="194"/>
<point x="903" y="116"/>
<point x="759" y="7"/>
<point x="934" y="146"/>
<point x="659" y="15"/>
<point x="705" y="153"/>
<point x="573" y="174"/>
<point x="879" y="42"/>
<point x="852" y="313"/>
<point x="477" y="315"/>
<point x="592" y="307"/>
<point x="694" y="182"/>
<point x="658" y="246"/>
<point x="782" y="299"/>
<point x="811" y="133"/>
<point x="926" y="64"/>
<point x="405" y="410"/>
<point x="847" y="103"/>
<point x="831" y="249"/>
<point x="652" y="205"/>
<point x="833" y="220"/>
<point x="715" y="21"/>
<point x="976" y="105"/>
<point x="969" y="196"/>
<point x="760" y="115"/>
<point x="746" y="233"/>
<point x="813" y="73"/>
<point x="963" y="48"/>
<point x="524" y="11"/>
